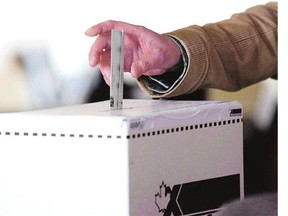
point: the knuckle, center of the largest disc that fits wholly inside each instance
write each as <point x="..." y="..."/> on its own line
<point x="141" y="28"/>
<point x="110" y="21"/>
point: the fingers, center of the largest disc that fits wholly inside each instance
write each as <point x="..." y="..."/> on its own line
<point x="137" y="41"/>
<point x="107" y="26"/>
<point x="101" y="44"/>
<point x="103" y="27"/>
<point x="104" y="66"/>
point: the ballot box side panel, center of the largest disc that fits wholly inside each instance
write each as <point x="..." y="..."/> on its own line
<point x="168" y="158"/>
<point x="63" y="175"/>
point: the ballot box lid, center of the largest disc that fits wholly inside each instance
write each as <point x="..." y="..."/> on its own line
<point x="135" y="115"/>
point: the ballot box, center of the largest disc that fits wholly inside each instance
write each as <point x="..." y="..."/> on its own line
<point x="153" y="157"/>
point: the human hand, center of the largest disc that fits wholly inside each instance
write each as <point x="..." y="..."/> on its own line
<point x="145" y="52"/>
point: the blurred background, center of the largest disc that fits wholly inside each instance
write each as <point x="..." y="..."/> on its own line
<point x="44" y="63"/>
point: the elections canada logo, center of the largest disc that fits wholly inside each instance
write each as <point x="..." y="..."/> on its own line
<point x="235" y="112"/>
<point x="203" y="197"/>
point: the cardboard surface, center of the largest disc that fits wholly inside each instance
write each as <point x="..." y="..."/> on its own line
<point x="89" y="160"/>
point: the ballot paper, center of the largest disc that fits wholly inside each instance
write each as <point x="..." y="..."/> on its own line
<point x="116" y="88"/>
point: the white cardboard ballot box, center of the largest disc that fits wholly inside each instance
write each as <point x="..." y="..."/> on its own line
<point x="153" y="157"/>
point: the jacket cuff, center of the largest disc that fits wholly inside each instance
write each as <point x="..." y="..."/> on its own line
<point x="163" y="84"/>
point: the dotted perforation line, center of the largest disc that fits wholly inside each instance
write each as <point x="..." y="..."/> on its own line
<point x="185" y="128"/>
<point x="133" y="136"/>
<point x="63" y="135"/>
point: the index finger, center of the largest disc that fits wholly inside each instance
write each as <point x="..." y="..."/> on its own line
<point x="107" y="26"/>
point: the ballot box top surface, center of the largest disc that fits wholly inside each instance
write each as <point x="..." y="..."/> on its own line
<point x="133" y="108"/>
<point x="135" y="115"/>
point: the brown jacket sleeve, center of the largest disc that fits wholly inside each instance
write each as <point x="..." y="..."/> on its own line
<point x="230" y="54"/>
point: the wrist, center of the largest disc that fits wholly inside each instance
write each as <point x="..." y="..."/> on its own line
<point x="183" y="57"/>
<point x="174" y="52"/>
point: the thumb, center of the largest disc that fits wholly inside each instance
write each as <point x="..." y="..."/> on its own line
<point x="140" y="67"/>
<point x="145" y="66"/>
